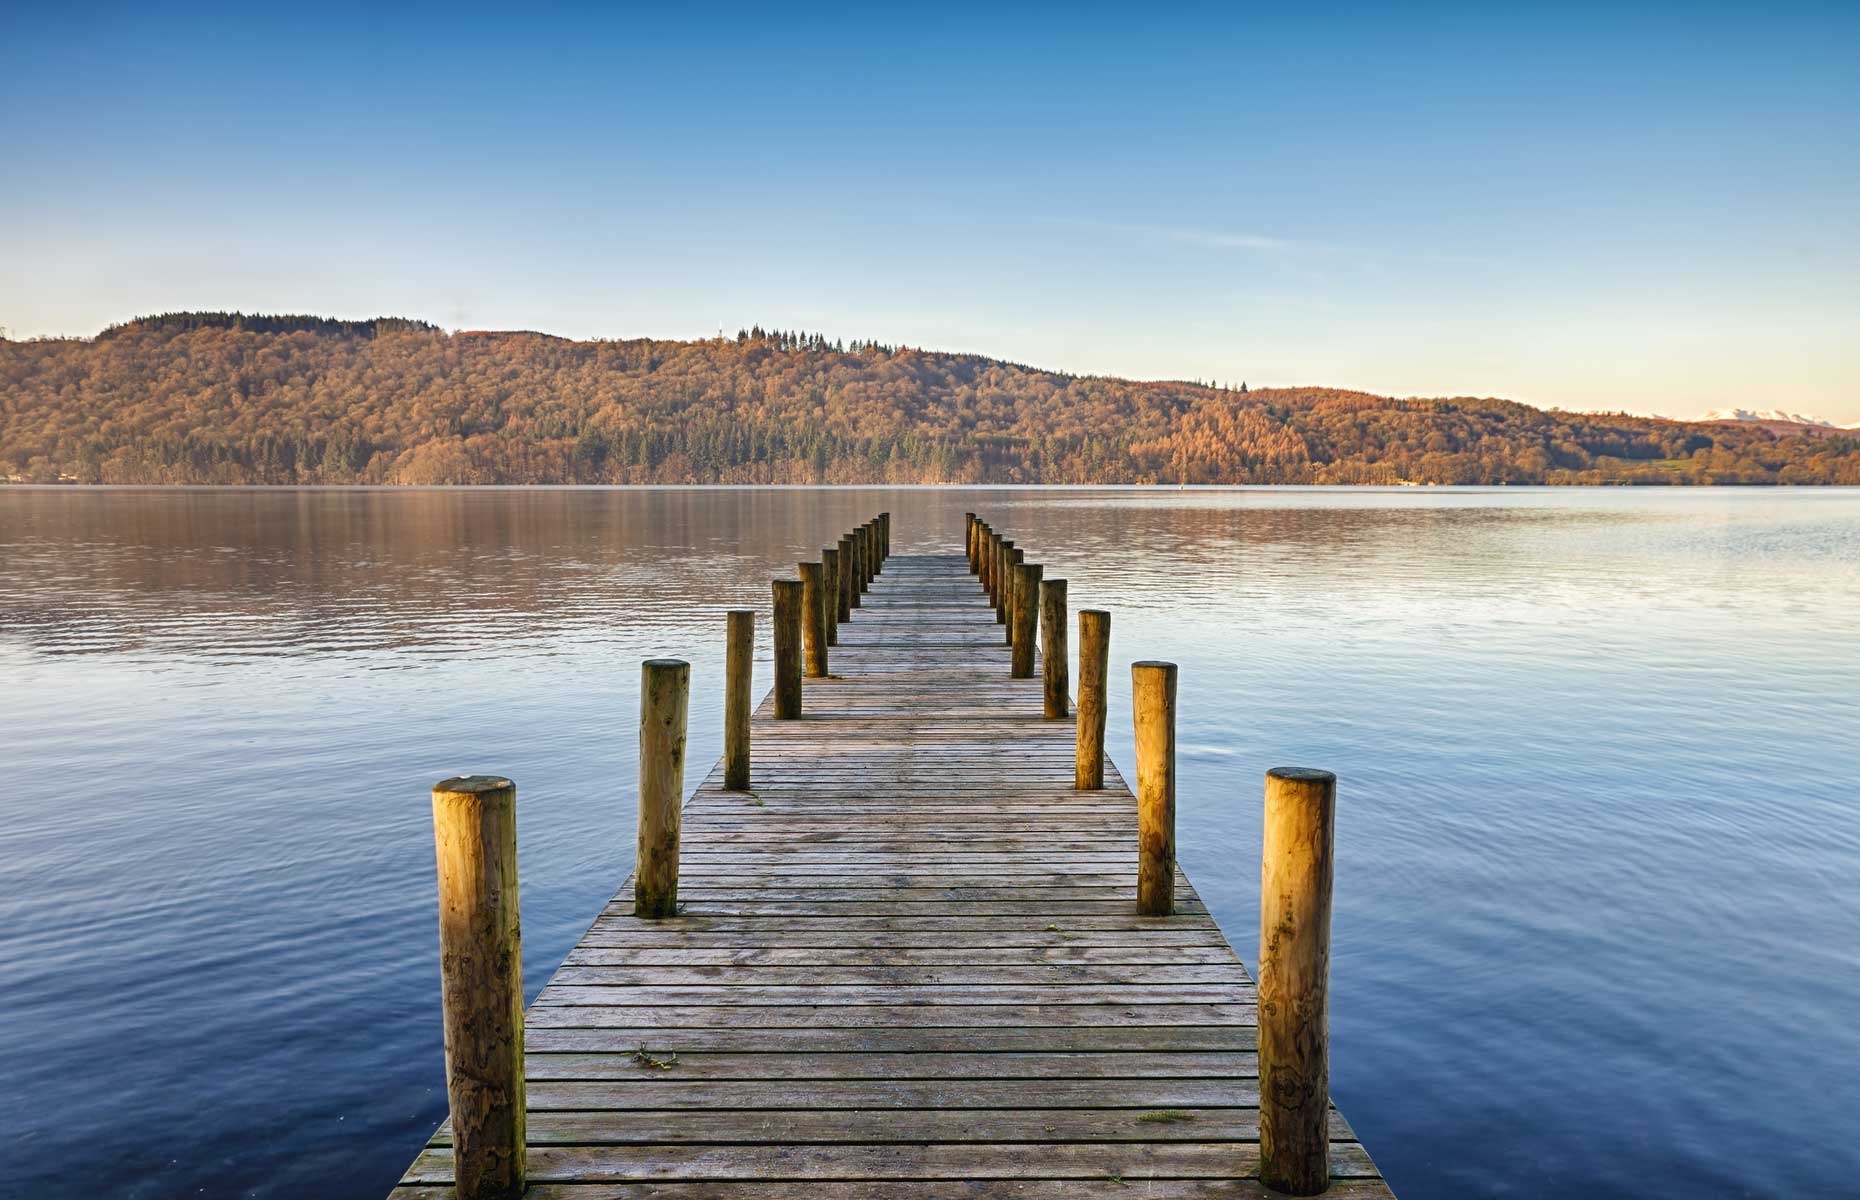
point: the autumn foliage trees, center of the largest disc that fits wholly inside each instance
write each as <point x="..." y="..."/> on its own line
<point x="230" y="398"/>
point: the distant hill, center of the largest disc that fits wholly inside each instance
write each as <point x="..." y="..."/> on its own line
<point x="237" y="398"/>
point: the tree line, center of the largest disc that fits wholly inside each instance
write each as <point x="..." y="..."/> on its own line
<point x="249" y="399"/>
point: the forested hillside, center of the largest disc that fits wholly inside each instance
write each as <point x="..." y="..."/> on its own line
<point x="225" y="398"/>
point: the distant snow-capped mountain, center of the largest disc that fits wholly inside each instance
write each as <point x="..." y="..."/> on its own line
<point x="1771" y="416"/>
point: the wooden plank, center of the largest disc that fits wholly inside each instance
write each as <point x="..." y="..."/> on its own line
<point x="1107" y="1188"/>
<point x="1133" y="1161"/>
<point x="647" y="1127"/>
<point x="907" y="963"/>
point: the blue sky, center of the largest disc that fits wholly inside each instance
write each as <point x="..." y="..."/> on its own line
<point x="1645" y="207"/>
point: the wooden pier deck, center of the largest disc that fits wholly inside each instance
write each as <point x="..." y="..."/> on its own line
<point x="908" y="964"/>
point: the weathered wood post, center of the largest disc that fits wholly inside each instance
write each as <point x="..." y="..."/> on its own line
<point x="856" y="582"/>
<point x="1054" y="669"/>
<point x="991" y="557"/>
<point x="788" y="602"/>
<point x="1094" y="656"/>
<point x="664" y="699"/>
<point x="1026" y="624"/>
<point x="1016" y="558"/>
<point x="985" y="557"/>
<point x="1001" y="575"/>
<point x="830" y="597"/>
<point x="814" y="618"/>
<point x="872" y="555"/>
<point x="845" y="580"/>
<point x="739" y="654"/>
<point x="968" y="539"/>
<point x="1003" y="557"/>
<point x="1296" y="870"/>
<point x="884" y="536"/>
<point x="1152" y="696"/>
<point x="481" y="982"/>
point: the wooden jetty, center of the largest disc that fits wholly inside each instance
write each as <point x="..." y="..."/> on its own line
<point x="908" y="960"/>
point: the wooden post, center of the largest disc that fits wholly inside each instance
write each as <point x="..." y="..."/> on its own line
<point x="1026" y="623"/>
<point x="664" y="696"/>
<point x="1003" y="557"/>
<point x="739" y="653"/>
<point x="968" y="539"/>
<point x="830" y="596"/>
<point x="856" y="582"/>
<point x="871" y="551"/>
<point x="788" y="649"/>
<point x="814" y="618"/>
<point x="1152" y="695"/>
<point x="1094" y="656"/>
<point x="884" y="536"/>
<point x="481" y="982"/>
<point x="989" y="550"/>
<point x="1296" y="870"/>
<point x="845" y="578"/>
<point x="1054" y="669"/>
<point x="1016" y="557"/>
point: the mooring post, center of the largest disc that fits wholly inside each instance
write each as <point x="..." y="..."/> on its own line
<point x="854" y="581"/>
<point x="1002" y="561"/>
<point x="1054" y="669"/>
<point x="739" y="653"/>
<point x="991" y="559"/>
<point x="985" y="557"/>
<point x="788" y="604"/>
<point x="968" y="539"/>
<point x="1026" y="624"/>
<point x="664" y="700"/>
<point x="481" y="982"/>
<point x="1296" y="871"/>
<point x="1094" y="657"/>
<point x="830" y="595"/>
<point x="814" y="618"/>
<point x="884" y="535"/>
<point x="1152" y="696"/>
<point x="844" y="582"/>
<point x="1016" y="558"/>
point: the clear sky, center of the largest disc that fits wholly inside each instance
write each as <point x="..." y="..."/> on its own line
<point x="1648" y="207"/>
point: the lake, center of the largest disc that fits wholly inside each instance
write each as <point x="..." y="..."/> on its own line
<point x="1597" y="926"/>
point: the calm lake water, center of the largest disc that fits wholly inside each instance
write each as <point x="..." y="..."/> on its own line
<point x="1597" y="923"/>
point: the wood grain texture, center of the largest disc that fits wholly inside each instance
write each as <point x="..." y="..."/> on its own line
<point x="1094" y="662"/>
<point x="830" y="600"/>
<point x="788" y="614"/>
<point x="814" y="618"/>
<point x="1296" y="869"/>
<point x="664" y="701"/>
<point x="739" y="656"/>
<point x="1055" y="656"/>
<point x="1152" y="698"/>
<point x="1024" y="622"/>
<point x="908" y="963"/>
<point x="481" y="981"/>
